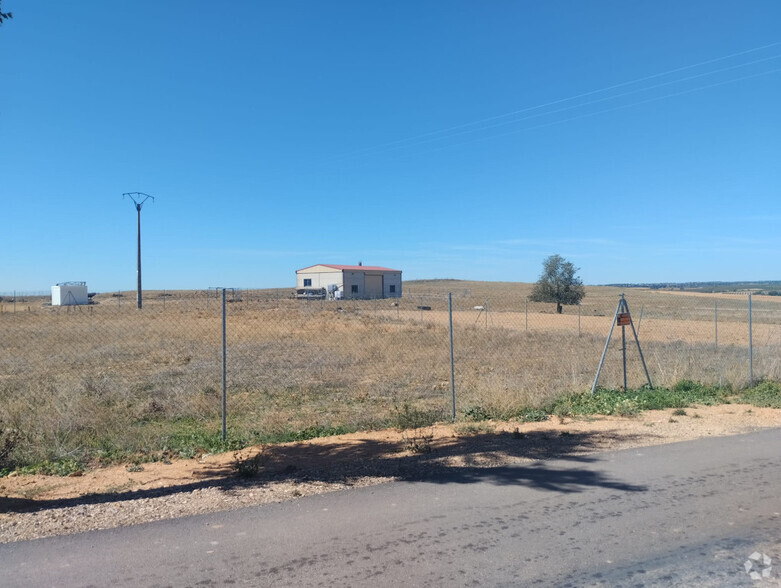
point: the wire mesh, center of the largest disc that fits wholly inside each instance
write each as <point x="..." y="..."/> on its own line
<point x="107" y="379"/>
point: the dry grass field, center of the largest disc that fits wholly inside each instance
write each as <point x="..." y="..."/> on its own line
<point x="108" y="380"/>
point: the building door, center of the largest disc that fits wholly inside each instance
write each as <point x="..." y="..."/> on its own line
<point x="373" y="286"/>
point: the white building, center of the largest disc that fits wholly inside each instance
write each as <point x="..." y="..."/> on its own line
<point x="69" y="294"/>
<point x="351" y="281"/>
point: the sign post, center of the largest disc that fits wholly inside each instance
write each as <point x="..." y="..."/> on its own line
<point x="623" y="318"/>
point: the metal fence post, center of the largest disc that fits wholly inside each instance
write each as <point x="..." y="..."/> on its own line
<point x="578" y="318"/>
<point x="452" y="359"/>
<point x="224" y="371"/>
<point x="716" y="323"/>
<point x="750" y="346"/>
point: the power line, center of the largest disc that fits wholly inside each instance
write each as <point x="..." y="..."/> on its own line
<point x="592" y="114"/>
<point x="580" y="105"/>
<point x="429" y="136"/>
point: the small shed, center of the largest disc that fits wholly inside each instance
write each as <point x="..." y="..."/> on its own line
<point x="351" y="281"/>
<point x="69" y="294"/>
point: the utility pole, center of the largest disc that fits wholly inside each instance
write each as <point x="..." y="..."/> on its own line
<point x="138" y="199"/>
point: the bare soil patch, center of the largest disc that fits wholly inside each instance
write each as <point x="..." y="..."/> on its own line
<point x="40" y="506"/>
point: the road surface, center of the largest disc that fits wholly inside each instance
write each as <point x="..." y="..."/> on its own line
<point x="685" y="514"/>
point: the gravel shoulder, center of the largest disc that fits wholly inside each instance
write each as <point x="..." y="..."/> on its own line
<point x="33" y="507"/>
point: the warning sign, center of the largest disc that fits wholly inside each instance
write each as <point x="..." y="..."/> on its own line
<point x="623" y="320"/>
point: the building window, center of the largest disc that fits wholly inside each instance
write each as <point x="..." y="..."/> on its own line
<point x="307" y="282"/>
<point x="392" y="288"/>
<point x="354" y="289"/>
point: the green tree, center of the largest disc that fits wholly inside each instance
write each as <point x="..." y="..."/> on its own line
<point x="4" y="15"/>
<point x="558" y="283"/>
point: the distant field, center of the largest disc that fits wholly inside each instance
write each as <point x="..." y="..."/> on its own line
<point x="108" y="379"/>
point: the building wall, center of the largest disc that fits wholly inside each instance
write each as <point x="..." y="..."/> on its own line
<point x="391" y="279"/>
<point x="354" y="285"/>
<point x="321" y="277"/>
<point x="372" y="284"/>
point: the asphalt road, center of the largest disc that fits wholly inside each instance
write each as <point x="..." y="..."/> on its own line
<point x="686" y="514"/>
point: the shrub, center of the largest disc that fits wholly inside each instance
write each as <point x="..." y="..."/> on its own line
<point x="8" y="442"/>
<point x="409" y="417"/>
<point x="476" y="413"/>
<point x="764" y="394"/>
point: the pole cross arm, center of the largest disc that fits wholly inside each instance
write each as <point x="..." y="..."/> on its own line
<point x="138" y="198"/>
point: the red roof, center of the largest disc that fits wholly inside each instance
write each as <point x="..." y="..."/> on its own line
<point x="356" y="268"/>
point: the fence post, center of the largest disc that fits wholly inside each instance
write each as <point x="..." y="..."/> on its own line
<point x="750" y="346"/>
<point x="578" y="318"/>
<point x="527" y="314"/>
<point x="452" y="359"/>
<point x="224" y="371"/>
<point x="716" y="323"/>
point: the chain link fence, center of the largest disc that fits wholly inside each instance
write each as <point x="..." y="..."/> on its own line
<point x="108" y="380"/>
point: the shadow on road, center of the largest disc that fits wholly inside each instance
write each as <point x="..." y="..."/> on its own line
<point x="498" y="458"/>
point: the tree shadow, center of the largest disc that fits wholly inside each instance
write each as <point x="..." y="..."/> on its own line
<point x="503" y="458"/>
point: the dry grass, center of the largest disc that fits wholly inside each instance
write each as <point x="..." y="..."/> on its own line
<point x="109" y="379"/>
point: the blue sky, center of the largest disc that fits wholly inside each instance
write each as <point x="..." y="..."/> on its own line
<point x="448" y="139"/>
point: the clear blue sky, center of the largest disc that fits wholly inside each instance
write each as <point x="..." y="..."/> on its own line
<point x="449" y="139"/>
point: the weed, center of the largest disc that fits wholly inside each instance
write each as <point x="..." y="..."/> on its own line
<point x="532" y="416"/>
<point x="316" y="431"/>
<point x="32" y="492"/>
<point x="476" y="413"/>
<point x="417" y="442"/>
<point x="764" y="394"/>
<point x="628" y="407"/>
<point x="672" y="420"/>
<point x="119" y="488"/>
<point x="63" y="467"/>
<point x="191" y="438"/>
<point x="410" y="417"/>
<point x="473" y="428"/>
<point x="136" y="467"/>
<point x="632" y="402"/>
<point x="679" y="412"/>
<point x="247" y="466"/>
<point x="8" y="442"/>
